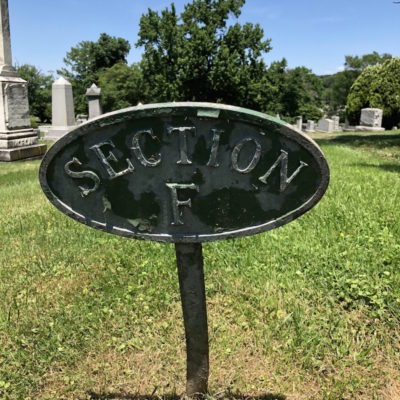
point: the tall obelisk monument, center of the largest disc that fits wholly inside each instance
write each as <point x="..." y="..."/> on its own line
<point x="17" y="139"/>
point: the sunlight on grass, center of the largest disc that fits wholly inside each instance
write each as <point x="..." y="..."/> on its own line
<point x="310" y="310"/>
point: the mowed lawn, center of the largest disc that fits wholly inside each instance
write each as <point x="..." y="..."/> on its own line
<point x="308" y="311"/>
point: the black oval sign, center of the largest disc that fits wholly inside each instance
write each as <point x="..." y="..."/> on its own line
<point x="184" y="172"/>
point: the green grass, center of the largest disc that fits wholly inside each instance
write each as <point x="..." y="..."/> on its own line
<point x="308" y="311"/>
<point x="386" y="144"/>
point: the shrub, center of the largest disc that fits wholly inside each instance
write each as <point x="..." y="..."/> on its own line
<point x="377" y="87"/>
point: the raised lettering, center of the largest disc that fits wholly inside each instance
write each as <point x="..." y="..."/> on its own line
<point x="254" y="160"/>
<point x="284" y="180"/>
<point x="110" y="157"/>
<point x="82" y="174"/>
<point x="212" y="162"/>
<point x="147" y="162"/>
<point x="176" y="203"/>
<point x="183" y="145"/>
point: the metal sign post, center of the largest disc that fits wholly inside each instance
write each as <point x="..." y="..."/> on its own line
<point x="185" y="173"/>
<point x="189" y="259"/>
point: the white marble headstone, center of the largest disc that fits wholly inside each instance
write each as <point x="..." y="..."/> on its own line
<point x="371" y="117"/>
<point x="325" y="125"/>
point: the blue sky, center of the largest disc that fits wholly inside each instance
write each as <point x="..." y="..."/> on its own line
<point x="314" y="33"/>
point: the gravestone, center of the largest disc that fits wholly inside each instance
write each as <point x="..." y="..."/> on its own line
<point x="62" y="107"/>
<point x="370" y="120"/>
<point x="371" y="117"/>
<point x="347" y="126"/>
<point x="310" y="126"/>
<point x="94" y="95"/>
<point x="17" y="139"/>
<point x="185" y="173"/>
<point x="325" y="125"/>
<point x="336" y="126"/>
<point x="299" y="123"/>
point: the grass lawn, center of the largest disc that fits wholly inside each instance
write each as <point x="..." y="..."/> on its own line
<point x="308" y="311"/>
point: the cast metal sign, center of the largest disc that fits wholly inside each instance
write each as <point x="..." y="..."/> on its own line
<point x="184" y="172"/>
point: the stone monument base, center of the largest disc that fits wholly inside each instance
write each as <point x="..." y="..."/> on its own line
<point x="57" y="132"/>
<point x="19" y="153"/>
<point x="20" y="144"/>
<point x="20" y="137"/>
<point x="362" y="128"/>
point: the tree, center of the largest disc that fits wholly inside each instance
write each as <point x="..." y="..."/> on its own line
<point x="277" y="73"/>
<point x="121" y="85"/>
<point x="296" y="92"/>
<point x="39" y="91"/>
<point x="197" y="57"/>
<point x="85" y="61"/>
<point x="159" y="36"/>
<point x="378" y="86"/>
<point x="301" y="94"/>
<point x="337" y="86"/>
<point x="357" y="63"/>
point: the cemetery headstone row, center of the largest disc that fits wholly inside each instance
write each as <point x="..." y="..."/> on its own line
<point x="325" y="125"/>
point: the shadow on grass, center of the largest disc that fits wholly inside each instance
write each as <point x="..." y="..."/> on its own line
<point x="228" y="396"/>
<point x="385" y="167"/>
<point x="374" y="140"/>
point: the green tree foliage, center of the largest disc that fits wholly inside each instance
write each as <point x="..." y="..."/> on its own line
<point x="159" y="36"/>
<point x="197" y="57"/>
<point x="297" y="91"/>
<point x="377" y="87"/>
<point x="337" y="86"/>
<point x="276" y="75"/>
<point x="39" y="91"/>
<point x="357" y="63"/>
<point x="301" y="94"/>
<point x="122" y="86"/>
<point x="85" y="61"/>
